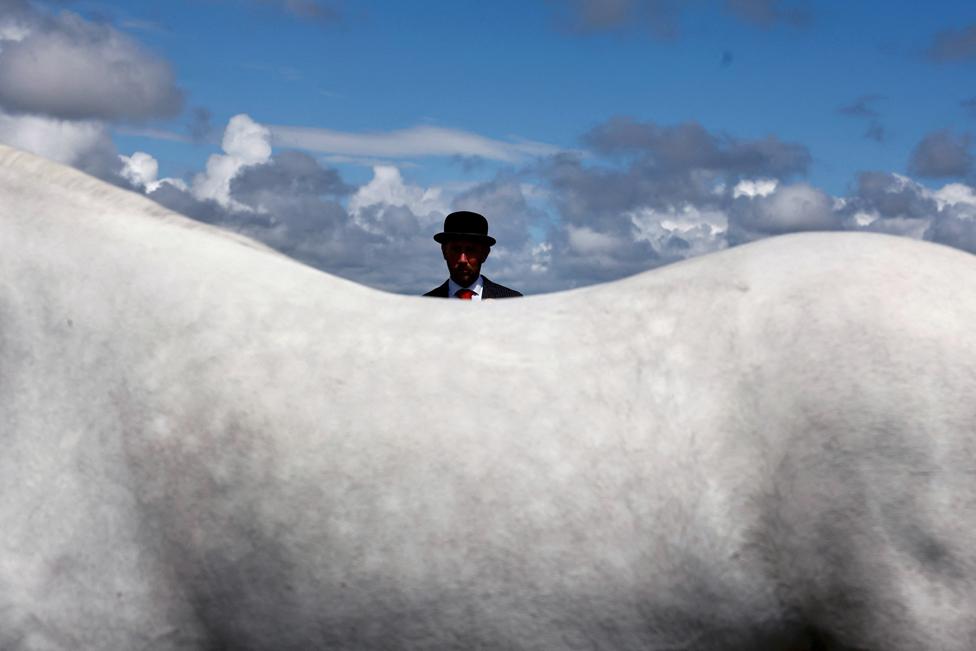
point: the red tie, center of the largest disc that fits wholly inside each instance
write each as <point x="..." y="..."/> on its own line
<point x="464" y="294"/>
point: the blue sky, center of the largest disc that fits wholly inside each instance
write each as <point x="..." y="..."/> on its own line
<point x="600" y="137"/>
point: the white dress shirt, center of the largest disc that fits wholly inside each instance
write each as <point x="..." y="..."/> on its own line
<point x="477" y="287"/>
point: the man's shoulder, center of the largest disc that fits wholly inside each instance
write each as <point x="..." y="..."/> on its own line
<point x="494" y="290"/>
<point x="440" y="291"/>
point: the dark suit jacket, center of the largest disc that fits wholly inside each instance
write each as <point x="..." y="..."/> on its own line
<point x="490" y="290"/>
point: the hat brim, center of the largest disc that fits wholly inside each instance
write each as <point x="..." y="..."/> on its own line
<point x="475" y="237"/>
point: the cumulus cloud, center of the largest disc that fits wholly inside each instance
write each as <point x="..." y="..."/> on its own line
<point x="68" y="68"/>
<point x="886" y="196"/>
<point x="788" y="209"/>
<point x="140" y="169"/>
<point x="643" y="195"/>
<point x="245" y="143"/>
<point x="86" y="145"/>
<point x="942" y="154"/>
<point x="954" y="45"/>
<point x="388" y="188"/>
<point x="956" y="195"/>
<point x="289" y="173"/>
<point x="141" y="172"/>
<point x="406" y="143"/>
<point x="291" y="202"/>
<point x="681" y="231"/>
<point x="647" y="169"/>
<point x="514" y="210"/>
<point x="754" y="188"/>
<point x="954" y="230"/>
<point x="690" y="146"/>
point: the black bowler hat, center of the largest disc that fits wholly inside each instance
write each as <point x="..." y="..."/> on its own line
<point x="465" y="225"/>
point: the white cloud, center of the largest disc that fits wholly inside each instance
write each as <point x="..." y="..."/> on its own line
<point x="541" y="257"/>
<point x="587" y="241"/>
<point x="246" y="140"/>
<point x="155" y="134"/>
<point x="245" y="143"/>
<point x="13" y="31"/>
<point x="699" y="230"/>
<point x="754" y="188"/>
<point x="795" y="207"/>
<point x="69" y="68"/>
<point x="60" y="140"/>
<point x="140" y="169"/>
<point x="388" y="188"/>
<point x="406" y="143"/>
<point x="955" y="194"/>
<point x="800" y="206"/>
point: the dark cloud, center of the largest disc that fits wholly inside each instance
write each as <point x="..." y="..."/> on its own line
<point x="876" y="132"/>
<point x="643" y="196"/>
<point x="19" y="10"/>
<point x="292" y="204"/>
<point x="599" y="195"/>
<point x="893" y="204"/>
<point x="891" y="197"/>
<point x="863" y="107"/>
<point x="970" y="106"/>
<point x="85" y="145"/>
<point x="954" y="45"/>
<point x="660" y="17"/>
<point x="789" y="209"/>
<point x="206" y="210"/>
<point x="200" y="128"/>
<point x="613" y="205"/>
<point x="287" y="174"/>
<point x="512" y="218"/>
<point x="69" y="68"/>
<point x="307" y="9"/>
<point x="582" y="256"/>
<point x="502" y="201"/>
<point x="954" y="230"/>
<point x="690" y="146"/>
<point x="768" y="13"/>
<point x="942" y="154"/>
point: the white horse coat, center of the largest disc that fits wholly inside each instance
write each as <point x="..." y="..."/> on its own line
<point x="206" y="445"/>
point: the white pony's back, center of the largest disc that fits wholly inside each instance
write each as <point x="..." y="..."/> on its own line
<point x="208" y="445"/>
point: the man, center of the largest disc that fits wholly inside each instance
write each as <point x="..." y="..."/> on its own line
<point x="465" y="244"/>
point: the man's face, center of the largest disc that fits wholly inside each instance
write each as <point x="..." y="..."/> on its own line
<point x="464" y="258"/>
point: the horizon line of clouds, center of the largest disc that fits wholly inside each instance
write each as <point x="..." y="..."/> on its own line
<point x="566" y="220"/>
<point x="683" y="191"/>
